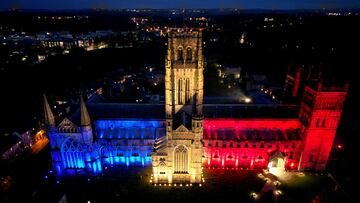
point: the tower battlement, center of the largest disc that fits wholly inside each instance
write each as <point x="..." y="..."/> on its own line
<point x="184" y="32"/>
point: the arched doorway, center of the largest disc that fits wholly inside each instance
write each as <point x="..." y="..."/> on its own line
<point x="276" y="164"/>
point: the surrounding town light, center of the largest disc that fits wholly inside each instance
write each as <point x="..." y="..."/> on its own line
<point x="247" y="100"/>
<point x="254" y="195"/>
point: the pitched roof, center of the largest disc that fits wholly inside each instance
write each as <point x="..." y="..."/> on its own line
<point x="104" y="111"/>
<point x="248" y="134"/>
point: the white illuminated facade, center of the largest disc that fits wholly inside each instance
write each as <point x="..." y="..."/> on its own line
<point x="178" y="157"/>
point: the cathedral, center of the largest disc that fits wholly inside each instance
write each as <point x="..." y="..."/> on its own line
<point x="179" y="139"/>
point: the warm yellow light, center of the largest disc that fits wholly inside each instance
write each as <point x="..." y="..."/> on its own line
<point x="278" y="192"/>
<point x="247" y="100"/>
<point x="301" y="174"/>
<point x="277" y="183"/>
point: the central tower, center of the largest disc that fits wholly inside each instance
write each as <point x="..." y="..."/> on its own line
<point x="178" y="157"/>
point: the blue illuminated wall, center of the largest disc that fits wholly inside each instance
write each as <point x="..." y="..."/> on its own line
<point x="116" y="142"/>
<point x="128" y="142"/>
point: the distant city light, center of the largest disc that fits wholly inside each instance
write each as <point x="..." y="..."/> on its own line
<point x="247" y="100"/>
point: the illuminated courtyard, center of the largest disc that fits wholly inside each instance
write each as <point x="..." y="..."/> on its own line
<point x="133" y="184"/>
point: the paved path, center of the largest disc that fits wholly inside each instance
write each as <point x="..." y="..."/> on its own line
<point x="270" y="185"/>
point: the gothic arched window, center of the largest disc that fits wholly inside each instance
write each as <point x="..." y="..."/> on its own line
<point x="291" y="155"/>
<point x="72" y="154"/>
<point x="180" y="54"/>
<point x="181" y="159"/>
<point x="188" y="54"/>
<point x="71" y="145"/>
<point x="317" y="122"/>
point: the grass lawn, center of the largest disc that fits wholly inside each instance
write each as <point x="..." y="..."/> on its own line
<point x="121" y="184"/>
<point x="132" y="184"/>
<point x="310" y="187"/>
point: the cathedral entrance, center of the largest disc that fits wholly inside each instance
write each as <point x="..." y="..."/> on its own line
<point x="276" y="164"/>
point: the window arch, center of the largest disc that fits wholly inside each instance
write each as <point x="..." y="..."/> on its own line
<point x="72" y="154"/>
<point x="317" y="122"/>
<point x="180" y="54"/>
<point x="323" y="122"/>
<point x="188" y="54"/>
<point x="291" y="155"/>
<point x="181" y="159"/>
<point x="71" y="145"/>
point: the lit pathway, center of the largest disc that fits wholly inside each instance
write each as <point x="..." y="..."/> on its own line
<point x="270" y="185"/>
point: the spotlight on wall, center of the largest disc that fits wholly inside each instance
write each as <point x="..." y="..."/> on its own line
<point x="247" y="100"/>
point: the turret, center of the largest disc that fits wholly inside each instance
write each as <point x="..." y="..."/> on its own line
<point x="296" y="86"/>
<point x="86" y="130"/>
<point x="49" y="117"/>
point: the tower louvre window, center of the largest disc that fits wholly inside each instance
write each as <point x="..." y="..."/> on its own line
<point x="180" y="54"/>
<point x="187" y="91"/>
<point x="180" y="99"/>
<point x="188" y="54"/>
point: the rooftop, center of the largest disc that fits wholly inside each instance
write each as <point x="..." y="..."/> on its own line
<point x="104" y="111"/>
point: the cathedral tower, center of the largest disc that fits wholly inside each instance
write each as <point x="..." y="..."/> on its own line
<point x="179" y="160"/>
<point x="320" y="113"/>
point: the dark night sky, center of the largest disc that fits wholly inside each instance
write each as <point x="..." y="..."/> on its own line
<point x="242" y="4"/>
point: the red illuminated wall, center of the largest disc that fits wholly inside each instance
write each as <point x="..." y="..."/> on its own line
<point x="320" y="113"/>
<point x="239" y="143"/>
